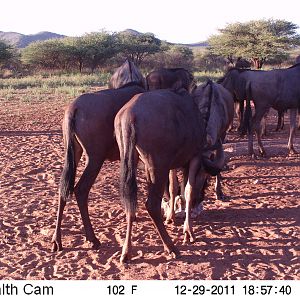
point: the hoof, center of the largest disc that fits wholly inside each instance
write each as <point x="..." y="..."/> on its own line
<point x="169" y="221"/>
<point x="173" y="252"/>
<point x="124" y="259"/>
<point x="95" y="244"/>
<point x="262" y="154"/>
<point x="56" y="246"/>
<point x="292" y="152"/>
<point x="221" y="197"/>
<point x="189" y="238"/>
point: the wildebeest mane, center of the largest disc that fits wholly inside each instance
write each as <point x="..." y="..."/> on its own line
<point x="205" y="107"/>
<point x="294" y="66"/>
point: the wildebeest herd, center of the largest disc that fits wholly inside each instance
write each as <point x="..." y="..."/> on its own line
<point x="163" y="123"/>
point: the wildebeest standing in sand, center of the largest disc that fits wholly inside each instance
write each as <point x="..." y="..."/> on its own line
<point x="216" y="106"/>
<point x="88" y="127"/>
<point x="279" y="89"/>
<point x="237" y="87"/>
<point x="175" y="78"/>
<point x="165" y="131"/>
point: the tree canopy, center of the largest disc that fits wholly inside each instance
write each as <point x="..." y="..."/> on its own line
<point x="138" y="46"/>
<point x="6" y="52"/>
<point x="257" y="41"/>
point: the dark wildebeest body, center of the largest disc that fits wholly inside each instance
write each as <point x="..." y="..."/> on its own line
<point x="174" y="79"/>
<point x="170" y="79"/>
<point x="89" y="127"/>
<point x="216" y="106"/>
<point x="279" y="89"/>
<point x="237" y="88"/>
<point x="165" y="131"/>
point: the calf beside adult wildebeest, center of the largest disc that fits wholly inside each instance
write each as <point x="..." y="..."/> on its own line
<point x="216" y="106"/>
<point x="175" y="78"/>
<point x="88" y="127"/>
<point x="165" y="130"/>
<point x="279" y="89"/>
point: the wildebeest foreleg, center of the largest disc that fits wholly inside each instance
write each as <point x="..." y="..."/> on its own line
<point x="219" y="161"/>
<point x="189" y="194"/>
<point x="173" y="189"/>
<point x="293" y="118"/>
<point x="280" y="120"/>
<point x="239" y="109"/>
<point x="218" y="188"/>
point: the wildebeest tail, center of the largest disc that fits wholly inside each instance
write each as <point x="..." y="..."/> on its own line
<point x="67" y="180"/>
<point x="246" y="127"/>
<point x="128" y="185"/>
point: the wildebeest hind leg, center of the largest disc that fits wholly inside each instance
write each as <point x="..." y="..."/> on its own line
<point x="82" y="190"/>
<point x="56" y="238"/>
<point x="259" y="114"/>
<point x="293" y="118"/>
<point x="158" y="177"/>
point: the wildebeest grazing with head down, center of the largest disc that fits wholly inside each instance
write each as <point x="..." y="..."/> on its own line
<point x="88" y="127"/>
<point x="216" y="106"/>
<point x="279" y="89"/>
<point x="175" y="78"/>
<point x="165" y="131"/>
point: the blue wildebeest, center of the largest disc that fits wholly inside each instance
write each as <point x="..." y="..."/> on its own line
<point x="175" y="78"/>
<point x="88" y="127"/>
<point x="165" y="131"/>
<point x="279" y="89"/>
<point x="216" y="106"/>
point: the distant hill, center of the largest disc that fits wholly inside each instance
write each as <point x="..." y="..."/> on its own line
<point x="21" y="40"/>
<point x="195" y="45"/>
<point x="131" y="31"/>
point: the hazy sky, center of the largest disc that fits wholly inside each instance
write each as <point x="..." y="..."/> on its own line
<point x="184" y="21"/>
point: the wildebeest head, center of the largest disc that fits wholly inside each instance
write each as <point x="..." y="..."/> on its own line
<point x="174" y="78"/>
<point x="185" y="80"/>
<point x="125" y="74"/>
<point x="234" y="83"/>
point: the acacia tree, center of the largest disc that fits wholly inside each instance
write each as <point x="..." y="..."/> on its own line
<point x="99" y="47"/>
<point x="75" y="52"/>
<point x="90" y="50"/>
<point x="6" y="52"/>
<point x="49" y="54"/>
<point x="138" y="46"/>
<point x="257" y="41"/>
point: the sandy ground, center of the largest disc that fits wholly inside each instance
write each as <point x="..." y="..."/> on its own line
<point x="253" y="235"/>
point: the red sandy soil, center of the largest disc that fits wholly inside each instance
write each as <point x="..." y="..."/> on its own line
<point x="253" y="235"/>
